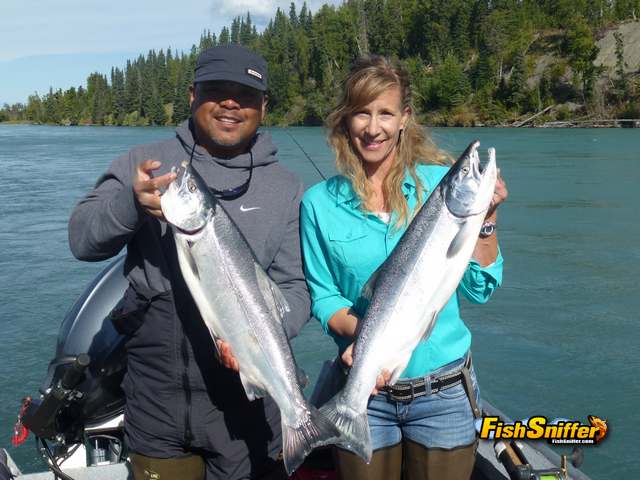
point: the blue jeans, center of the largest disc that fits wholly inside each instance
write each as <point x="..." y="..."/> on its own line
<point x="437" y="420"/>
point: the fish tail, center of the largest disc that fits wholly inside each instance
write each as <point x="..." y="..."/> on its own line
<point x="353" y="426"/>
<point x="297" y="442"/>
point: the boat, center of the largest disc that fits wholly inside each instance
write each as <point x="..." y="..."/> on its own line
<point x="77" y="418"/>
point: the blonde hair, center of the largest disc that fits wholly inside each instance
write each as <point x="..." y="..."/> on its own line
<point x="368" y="78"/>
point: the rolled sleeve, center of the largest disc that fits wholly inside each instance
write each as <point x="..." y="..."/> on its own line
<point x="326" y="298"/>
<point x="478" y="283"/>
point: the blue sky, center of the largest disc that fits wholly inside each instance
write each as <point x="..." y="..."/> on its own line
<point x="46" y="43"/>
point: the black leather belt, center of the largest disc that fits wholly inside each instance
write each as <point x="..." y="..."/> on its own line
<point x="407" y="391"/>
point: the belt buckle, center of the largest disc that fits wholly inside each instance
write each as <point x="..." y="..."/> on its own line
<point x="400" y="395"/>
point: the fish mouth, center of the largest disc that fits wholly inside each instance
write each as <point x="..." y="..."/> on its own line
<point x="189" y="232"/>
<point x="472" y="183"/>
<point x="477" y="168"/>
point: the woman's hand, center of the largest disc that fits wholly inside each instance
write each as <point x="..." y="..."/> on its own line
<point x="486" y="249"/>
<point x="381" y="380"/>
<point x="500" y="194"/>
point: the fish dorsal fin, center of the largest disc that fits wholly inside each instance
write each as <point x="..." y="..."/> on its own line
<point x="303" y="378"/>
<point x="370" y="286"/>
<point x="460" y="239"/>
<point x="272" y="294"/>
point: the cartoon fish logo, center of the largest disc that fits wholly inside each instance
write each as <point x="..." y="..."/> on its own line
<point x="600" y="424"/>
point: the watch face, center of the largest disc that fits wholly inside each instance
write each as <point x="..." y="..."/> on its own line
<point x="487" y="230"/>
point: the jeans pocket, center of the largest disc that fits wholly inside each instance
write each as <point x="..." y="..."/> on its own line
<point x="452" y="393"/>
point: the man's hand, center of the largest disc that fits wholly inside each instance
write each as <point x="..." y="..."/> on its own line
<point x="381" y="380"/>
<point x="226" y="356"/>
<point x="146" y="188"/>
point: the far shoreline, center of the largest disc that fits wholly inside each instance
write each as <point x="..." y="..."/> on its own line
<point x="566" y="124"/>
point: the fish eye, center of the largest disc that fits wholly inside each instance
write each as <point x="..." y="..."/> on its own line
<point x="465" y="170"/>
<point x="191" y="185"/>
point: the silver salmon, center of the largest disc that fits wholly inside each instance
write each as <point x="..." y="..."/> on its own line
<point x="409" y="289"/>
<point x="241" y="305"/>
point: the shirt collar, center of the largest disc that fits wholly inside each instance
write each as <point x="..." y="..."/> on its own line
<point x="345" y="192"/>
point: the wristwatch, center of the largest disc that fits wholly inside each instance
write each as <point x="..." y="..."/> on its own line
<point x="488" y="229"/>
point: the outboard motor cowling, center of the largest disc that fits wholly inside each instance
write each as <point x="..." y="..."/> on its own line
<point x="83" y="379"/>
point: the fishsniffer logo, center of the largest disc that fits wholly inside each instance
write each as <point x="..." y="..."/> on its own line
<point x="536" y="428"/>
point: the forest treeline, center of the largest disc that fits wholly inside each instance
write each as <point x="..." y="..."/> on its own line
<point x="471" y="62"/>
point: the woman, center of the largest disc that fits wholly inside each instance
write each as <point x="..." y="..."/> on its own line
<point x="349" y="225"/>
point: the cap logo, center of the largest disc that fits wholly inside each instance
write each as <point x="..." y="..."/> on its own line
<point x="253" y="73"/>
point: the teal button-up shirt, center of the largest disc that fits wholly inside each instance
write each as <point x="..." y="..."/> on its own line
<point x="343" y="245"/>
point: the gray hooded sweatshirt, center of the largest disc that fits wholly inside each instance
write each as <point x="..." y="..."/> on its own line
<point x="109" y="217"/>
<point x="177" y="395"/>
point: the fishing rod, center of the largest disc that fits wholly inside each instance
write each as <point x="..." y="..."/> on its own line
<point x="306" y="155"/>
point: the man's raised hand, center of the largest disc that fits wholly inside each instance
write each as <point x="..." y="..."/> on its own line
<point x="146" y="187"/>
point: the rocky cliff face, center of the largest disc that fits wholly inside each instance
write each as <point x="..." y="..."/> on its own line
<point x="631" y="40"/>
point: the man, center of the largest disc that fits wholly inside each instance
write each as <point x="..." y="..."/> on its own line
<point x="186" y="414"/>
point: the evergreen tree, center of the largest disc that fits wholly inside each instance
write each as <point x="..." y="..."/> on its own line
<point x="451" y="85"/>
<point x="162" y="79"/>
<point x="293" y="17"/>
<point x="155" y="111"/>
<point x="621" y="65"/>
<point x="626" y="9"/>
<point x="225" y="37"/>
<point x="582" y="50"/>
<point x="235" y="30"/>
<point x="246" y="31"/>
<point x="35" y="111"/>
<point x="131" y="89"/>
<point x="181" y="99"/>
<point x="99" y="98"/>
<point x="518" y="83"/>
<point x="207" y="40"/>
<point x="118" y="94"/>
<point x="50" y="108"/>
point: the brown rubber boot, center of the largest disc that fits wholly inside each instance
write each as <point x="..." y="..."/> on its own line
<point x="190" y="467"/>
<point x="421" y="463"/>
<point x="386" y="464"/>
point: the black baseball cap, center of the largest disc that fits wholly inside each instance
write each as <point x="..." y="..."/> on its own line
<point x="233" y="63"/>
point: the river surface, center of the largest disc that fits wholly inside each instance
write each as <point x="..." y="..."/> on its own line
<point x="556" y="340"/>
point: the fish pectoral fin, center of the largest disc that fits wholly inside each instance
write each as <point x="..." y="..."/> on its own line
<point x="272" y="293"/>
<point x="460" y="239"/>
<point x="370" y="286"/>
<point x="192" y="262"/>
<point x="252" y="390"/>
<point x="430" y="317"/>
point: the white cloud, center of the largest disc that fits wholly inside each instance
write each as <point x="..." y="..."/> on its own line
<point x="264" y="9"/>
<point x="40" y="27"/>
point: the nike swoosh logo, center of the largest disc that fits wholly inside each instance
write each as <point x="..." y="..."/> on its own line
<point x="248" y="209"/>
